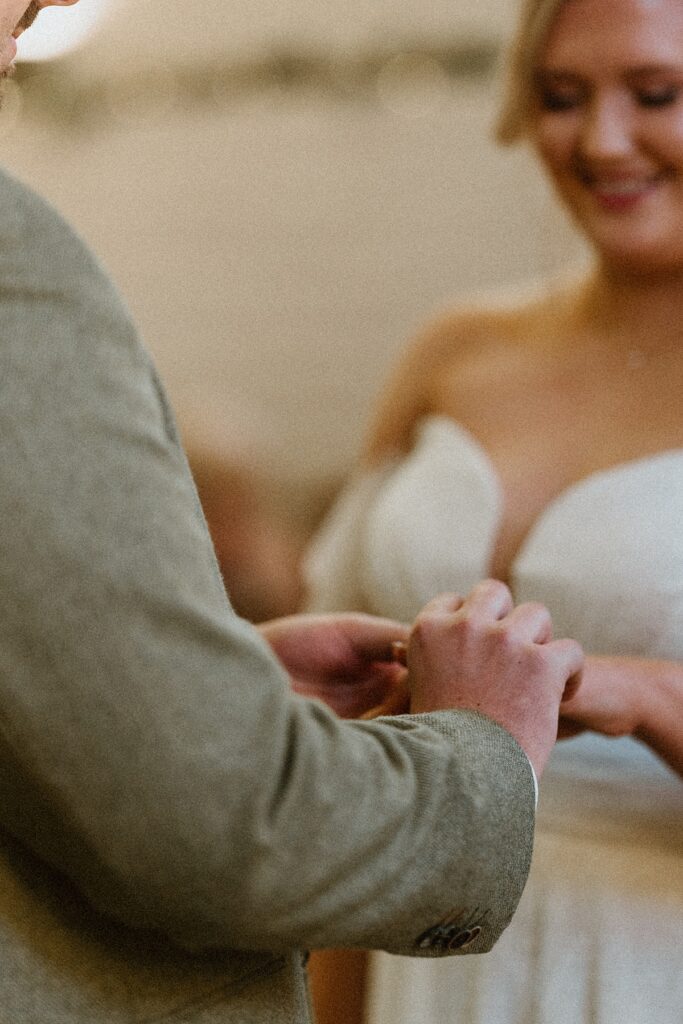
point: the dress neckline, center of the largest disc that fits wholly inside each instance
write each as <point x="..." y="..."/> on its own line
<point x="568" y="493"/>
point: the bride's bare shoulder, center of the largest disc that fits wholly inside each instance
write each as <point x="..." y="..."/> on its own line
<point x="514" y="316"/>
<point x="478" y="329"/>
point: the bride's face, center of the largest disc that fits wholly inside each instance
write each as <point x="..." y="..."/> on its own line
<point x="608" y="124"/>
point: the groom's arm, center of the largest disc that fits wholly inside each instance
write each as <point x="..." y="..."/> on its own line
<point x="150" y="747"/>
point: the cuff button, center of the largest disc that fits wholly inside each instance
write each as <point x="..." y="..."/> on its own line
<point x="463" y="939"/>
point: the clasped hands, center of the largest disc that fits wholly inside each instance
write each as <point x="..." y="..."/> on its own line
<point x="479" y="653"/>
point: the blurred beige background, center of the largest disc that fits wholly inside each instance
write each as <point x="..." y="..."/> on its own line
<point x="278" y="242"/>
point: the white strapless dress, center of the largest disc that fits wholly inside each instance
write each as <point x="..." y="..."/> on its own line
<point x="598" y="937"/>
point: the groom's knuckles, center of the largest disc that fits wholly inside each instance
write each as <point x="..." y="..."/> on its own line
<point x="569" y="658"/>
<point x="489" y="598"/>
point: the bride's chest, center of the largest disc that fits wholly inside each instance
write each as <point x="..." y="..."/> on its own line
<point x="598" y="550"/>
<point x="571" y="468"/>
<point x="543" y="434"/>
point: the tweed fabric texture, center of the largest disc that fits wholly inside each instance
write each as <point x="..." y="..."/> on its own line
<point x="174" y="823"/>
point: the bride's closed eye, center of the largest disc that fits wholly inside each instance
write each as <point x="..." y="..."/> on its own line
<point x="658" y="97"/>
<point x="556" y="92"/>
<point x="558" y="100"/>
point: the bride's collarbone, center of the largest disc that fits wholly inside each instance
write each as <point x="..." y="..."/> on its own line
<point x="566" y="429"/>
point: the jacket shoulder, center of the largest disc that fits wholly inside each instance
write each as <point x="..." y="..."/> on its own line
<point x="41" y="252"/>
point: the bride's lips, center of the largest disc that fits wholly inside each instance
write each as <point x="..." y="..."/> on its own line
<point x="622" y="194"/>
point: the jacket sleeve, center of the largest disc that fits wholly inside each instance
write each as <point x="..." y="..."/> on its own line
<point x="150" y="747"/>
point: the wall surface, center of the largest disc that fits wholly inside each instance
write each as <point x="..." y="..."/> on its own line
<point x="279" y="246"/>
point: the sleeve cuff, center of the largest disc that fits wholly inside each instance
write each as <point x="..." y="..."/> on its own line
<point x="533" y="775"/>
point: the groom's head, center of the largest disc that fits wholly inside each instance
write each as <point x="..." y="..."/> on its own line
<point x="15" y="17"/>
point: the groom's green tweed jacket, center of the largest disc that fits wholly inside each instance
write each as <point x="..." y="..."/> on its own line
<point x="175" y="826"/>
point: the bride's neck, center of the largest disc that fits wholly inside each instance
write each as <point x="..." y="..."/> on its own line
<point x="641" y="307"/>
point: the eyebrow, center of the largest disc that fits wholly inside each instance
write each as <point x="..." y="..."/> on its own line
<point x="541" y="75"/>
<point x="637" y="71"/>
<point x="656" y="69"/>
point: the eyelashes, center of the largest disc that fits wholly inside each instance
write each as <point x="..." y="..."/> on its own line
<point x="559" y="102"/>
<point x="664" y="98"/>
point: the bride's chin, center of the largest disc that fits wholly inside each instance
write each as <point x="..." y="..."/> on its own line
<point x="648" y="246"/>
<point x="641" y="259"/>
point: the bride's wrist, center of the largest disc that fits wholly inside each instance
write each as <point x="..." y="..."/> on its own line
<point x="657" y="699"/>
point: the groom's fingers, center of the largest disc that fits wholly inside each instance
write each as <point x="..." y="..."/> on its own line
<point x="397" y="702"/>
<point x="490" y="599"/>
<point x="399" y="652"/>
<point x="443" y="604"/>
<point x="569" y="654"/>
<point x="373" y="638"/>
<point x="531" y="622"/>
<point x="382" y="681"/>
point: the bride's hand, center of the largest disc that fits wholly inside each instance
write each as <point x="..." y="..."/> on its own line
<point x="347" y="660"/>
<point x="608" y="701"/>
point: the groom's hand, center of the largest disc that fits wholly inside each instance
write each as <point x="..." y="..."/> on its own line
<point x="483" y="654"/>
<point x="345" y="660"/>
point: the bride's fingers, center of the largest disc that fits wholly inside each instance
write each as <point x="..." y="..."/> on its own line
<point x="372" y="637"/>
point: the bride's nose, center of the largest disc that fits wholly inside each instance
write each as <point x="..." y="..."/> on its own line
<point x="607" y="130"/>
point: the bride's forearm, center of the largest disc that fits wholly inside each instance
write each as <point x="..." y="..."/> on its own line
<point x="660" y="718"/>
<point x="640" y="697"/>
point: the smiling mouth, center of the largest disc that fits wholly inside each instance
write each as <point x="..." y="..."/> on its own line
<point x="621" y="195"/>
<point x="626" y="187"/>
<point x="619" y="185"/>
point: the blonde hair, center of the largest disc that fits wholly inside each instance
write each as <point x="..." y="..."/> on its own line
<point x="533" y="26"/>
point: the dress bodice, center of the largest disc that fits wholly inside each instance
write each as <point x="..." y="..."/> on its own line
<point x="606" y="557"/>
